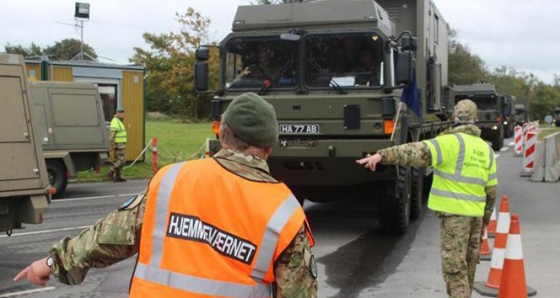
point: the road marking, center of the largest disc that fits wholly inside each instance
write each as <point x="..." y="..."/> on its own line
<point x="44" y="232"/>
<point x="12" y="294"/>
<point x="504" y="149"/>
<point x="511" y="144"/>
<point x="93" y="198"/>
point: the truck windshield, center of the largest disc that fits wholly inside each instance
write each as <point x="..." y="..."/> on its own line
<point x="260" y="62"/>
<point x="486" y="103"/>
<point x="345" y="60"/>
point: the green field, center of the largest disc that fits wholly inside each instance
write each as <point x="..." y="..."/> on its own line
<point x="176" y="141"/>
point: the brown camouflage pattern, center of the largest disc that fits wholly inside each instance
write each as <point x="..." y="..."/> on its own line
<point x="460" y="235"/>
<point x="116" y="237"/>
<point x="293" y="269"/>
<point x="459" y="244"/>
<point x="118" y="162"/>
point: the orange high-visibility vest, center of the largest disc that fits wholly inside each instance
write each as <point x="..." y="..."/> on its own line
<point x="208" y="232"/>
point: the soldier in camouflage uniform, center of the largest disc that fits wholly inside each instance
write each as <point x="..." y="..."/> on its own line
<point x="460" y="234"/>
<point x="117" y="138"/>
<point x="117" y="236"/>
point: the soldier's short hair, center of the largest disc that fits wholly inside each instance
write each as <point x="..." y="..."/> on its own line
<point x="229" y="139"/>
<point x="465" y="111"/>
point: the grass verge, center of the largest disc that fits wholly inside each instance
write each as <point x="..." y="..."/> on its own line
<point x="176" y="141"/>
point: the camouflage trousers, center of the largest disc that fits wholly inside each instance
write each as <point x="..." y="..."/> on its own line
<point x="460" y="247"/>
<point x="118" y="162"/>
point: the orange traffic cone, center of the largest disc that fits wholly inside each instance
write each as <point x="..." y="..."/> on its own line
<point x="496" y="263"/>
<point x="492" y="224"/>
<point x="485" y="252"/>
<point x="513" y="284"/>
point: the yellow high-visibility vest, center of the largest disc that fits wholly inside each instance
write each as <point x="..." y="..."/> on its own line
<point x="120" y="132"/>
<point x="463" y="166"/>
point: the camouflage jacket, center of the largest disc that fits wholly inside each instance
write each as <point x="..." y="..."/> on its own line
<point x="417" y="154"/>
<point x="116" y="237"/>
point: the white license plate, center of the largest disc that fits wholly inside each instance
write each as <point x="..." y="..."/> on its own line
<point x="299" y="129"/>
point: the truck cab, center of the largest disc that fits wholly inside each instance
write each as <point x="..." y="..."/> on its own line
<point x="335" y="72"/>
<point x="490" y="106"/>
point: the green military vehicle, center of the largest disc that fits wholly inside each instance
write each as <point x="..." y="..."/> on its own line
<point x="490" y="106"/>
<point x="556" y="117"/>
<point x="335" y="72"/>
<point x="72" y="129"/>
<point x="24" y="186"/>
<point x="520" y="114"/>
<point x="508" y="115"/>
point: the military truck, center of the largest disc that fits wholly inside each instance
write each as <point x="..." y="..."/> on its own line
<point x="556" y="117"/>
<point x="24" y="186"/>
<point x="490" y="106"/>
<point x="520" y="114"/>
<point x="508" y="115"/>
<point x="337" y="71"/>
<point x="72" y="128"/>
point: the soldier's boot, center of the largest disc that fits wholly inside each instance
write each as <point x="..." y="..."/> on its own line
<point x="118" y="177"/>
<point x="111" y="175"/>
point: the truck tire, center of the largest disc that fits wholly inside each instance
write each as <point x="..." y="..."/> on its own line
<point x="416" y="192"/>
<point x="394" y="205"/>
<point x="497" y="142"/>
<point x="57" y="177"/>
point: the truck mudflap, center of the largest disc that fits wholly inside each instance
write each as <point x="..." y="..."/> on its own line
<point x="22" y="209"/>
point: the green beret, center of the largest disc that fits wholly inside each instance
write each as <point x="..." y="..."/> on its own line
<point x="253" y="120"/>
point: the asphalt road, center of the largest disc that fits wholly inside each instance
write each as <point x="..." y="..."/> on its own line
<point x="355" y="259"/>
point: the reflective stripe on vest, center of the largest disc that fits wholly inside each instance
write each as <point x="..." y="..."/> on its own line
<point x="195" y="284"/>
<point x="120" y="132"/>
<point x="471" y="204"/>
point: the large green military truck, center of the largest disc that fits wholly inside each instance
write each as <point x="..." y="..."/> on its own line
<point x="335" y="72"/>
<point x="24" y="186"/>
<point x="490" y="106"/>
<point x="71" y="125"/>
<point x="508" y="115"/>
<point x="520" y="114"/>
<point x="556" y="116"/>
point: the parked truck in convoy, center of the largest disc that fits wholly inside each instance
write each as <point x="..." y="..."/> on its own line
<point x="508" y="115"/>
<point x="520" y="114"/>
<point x="335" y="72"/>
<point x="24" y="186"/>
<point x="556" y="116"/>
<point x="490" y="106"/>
<point x="71" y="126"/>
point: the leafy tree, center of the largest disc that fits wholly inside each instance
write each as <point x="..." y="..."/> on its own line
<point x="169" y="67"/>
<point x="33" y="50"/>
<point x="68" y="49"/>
<point x="464" y="68"/>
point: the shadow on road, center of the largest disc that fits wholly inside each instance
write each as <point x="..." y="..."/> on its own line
<point x="367" y="260"/>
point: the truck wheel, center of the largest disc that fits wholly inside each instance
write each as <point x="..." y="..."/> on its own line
<point x="57" y="176"/>
<point x="416" y="192"/>
<point x="497" y="142"/>
<point x="394" y="207"/>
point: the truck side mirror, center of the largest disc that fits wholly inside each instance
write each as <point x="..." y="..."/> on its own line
<point x="201" y="76"/>
<point x="404" y="68"/>
<point x="202" y="54"/>
<point x="409" y="43"/>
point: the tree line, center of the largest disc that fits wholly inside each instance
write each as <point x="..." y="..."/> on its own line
<point x="170" y="57"/>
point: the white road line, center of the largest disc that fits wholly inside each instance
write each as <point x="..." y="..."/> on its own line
<point x="511" y="144"/>
<point x="12" y="294"/>
<point x="44" y="232"/>
<point x="497" y="155"/>
<point x="93" y="198"/>
<point x="504" y="149"/>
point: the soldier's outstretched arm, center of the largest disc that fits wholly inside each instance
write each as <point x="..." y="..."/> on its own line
<point x="296" y="270"/>
<point x="110" y="240"/>
<point x="410" y="154"/>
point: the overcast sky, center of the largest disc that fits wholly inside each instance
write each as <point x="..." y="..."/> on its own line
<point x="512" y="33"/>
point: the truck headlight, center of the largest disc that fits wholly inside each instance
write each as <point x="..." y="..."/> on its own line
<point x="495" y="127"/>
